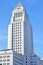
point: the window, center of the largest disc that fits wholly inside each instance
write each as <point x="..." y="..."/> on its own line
<point x="0" y="56"/>
<point x="4" y="63"/>
<point x="4" y="60"/>
<point x="0" y="60"/>
<point x="18" y="8"/>
<point x="4" y="56"/>
<point x="8" y="56"/>
<point x="17" y="14"/>
<point x="26" y="61"/>
<point x="8" y="59"/>
<point x="8" y="63"/>
<point x="26" y="58"/>
<point x="26" y="55"/>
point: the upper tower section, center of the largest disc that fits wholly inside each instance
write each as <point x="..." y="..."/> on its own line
<point x="18" y="13"/>
<point x="19" y="6"/>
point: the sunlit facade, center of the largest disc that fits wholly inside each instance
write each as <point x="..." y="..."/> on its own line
<point x="20" y="31"/>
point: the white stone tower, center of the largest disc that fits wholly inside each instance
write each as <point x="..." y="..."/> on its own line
<point x="20" y="32"/>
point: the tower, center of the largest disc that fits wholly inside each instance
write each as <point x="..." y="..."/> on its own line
<point x="20" y="32"/>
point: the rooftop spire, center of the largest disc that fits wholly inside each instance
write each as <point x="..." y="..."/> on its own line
<point x="20" y="4"/>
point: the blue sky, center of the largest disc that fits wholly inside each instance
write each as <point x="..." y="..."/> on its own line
<point x="34" y="9"/>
